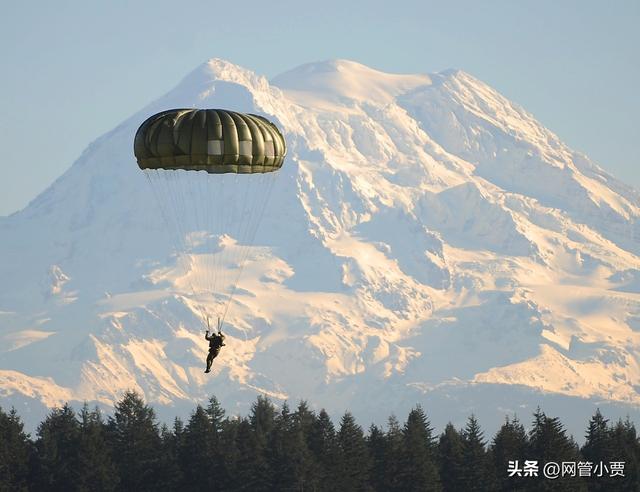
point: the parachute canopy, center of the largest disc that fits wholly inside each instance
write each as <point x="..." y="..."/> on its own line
<point x="213" y="140"/>
<point x="212" y="172"/>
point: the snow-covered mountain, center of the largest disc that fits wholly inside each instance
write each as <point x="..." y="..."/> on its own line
<point x="427" y="241"/>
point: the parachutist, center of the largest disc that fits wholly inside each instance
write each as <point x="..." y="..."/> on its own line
<point x="216" y="342"/>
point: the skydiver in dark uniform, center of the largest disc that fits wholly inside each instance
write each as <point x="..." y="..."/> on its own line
<point x="216" y="342"/>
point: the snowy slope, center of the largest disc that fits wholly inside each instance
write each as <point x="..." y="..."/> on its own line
<point x="427" y="241"/>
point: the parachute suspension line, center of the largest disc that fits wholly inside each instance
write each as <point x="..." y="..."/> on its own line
<point x="207" y="212"/>
<point x="229" y="225"/>
<point x="244" y="217"/>
<point x="270" y="182"/>
<point x="215" y="204"/>
<point x="207" y="198"/>
<point x="190" y="218"/>
<point x="182" y="227"/>
<point x="203" y="203"/>
<point x="163" y="179"/>
<point x="204" y="212"/>
<point x="218" y="324"/>
<point x="233" y="225"/>
<point x="198" y="208"/>
<point x="214" y="214"/>
<point x="153" y="178"/>
<point x="250" y="236"/>
<point x="208" y="258"/>
<point x="233" y="218"/>
<point x="218" y="205"/>
<point x="240" y="213"/>
<point x="199" y="230"/>
<point x="156" y="181"/>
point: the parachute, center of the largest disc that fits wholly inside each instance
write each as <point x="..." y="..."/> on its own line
<point x="212" y="172"/>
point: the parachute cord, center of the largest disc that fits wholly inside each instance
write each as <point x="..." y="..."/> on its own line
<point x="237" y="216"/>
<point x="215" y="203"/>
<point x="190" y="219"/>
<point x="175" y="195"/>
<point x="172" y="190"/>
<point x="215" y="212"/>
<point x="244" y="261"/>
<point x="243" y="236"/>
<point x="200" y="216"/>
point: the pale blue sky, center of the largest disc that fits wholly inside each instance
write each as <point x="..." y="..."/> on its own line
<point x="74" y="69"/>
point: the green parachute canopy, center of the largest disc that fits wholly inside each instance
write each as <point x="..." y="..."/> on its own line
<point x="212" y="172"/>
<point x="213" y="140"/>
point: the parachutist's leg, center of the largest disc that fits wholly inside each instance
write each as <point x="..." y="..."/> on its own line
<point x="210" y="358"/>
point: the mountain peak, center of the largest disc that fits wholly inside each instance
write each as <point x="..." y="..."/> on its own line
<point x="340" y="79"/>
<point x="219" y="68"/>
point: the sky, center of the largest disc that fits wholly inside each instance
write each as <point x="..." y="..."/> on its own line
<point x="74" y="69"/>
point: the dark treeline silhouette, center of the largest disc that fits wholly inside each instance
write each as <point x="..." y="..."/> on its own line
<point x="283" y="449"/>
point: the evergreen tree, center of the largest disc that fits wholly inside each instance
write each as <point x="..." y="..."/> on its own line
<point x="57" y="450"/>
<point x="597" y="445"/>
<point x="450" y="458"/>
<point x="474" y="474"/>
<point x="288" y="453"/>
<point x="419" y="470"/>
<point x="548" y="442"/>
<point x="216" y="415"/>
<point x="262" y="419"/>
<point x="224" y="454"/>
<point x="354" y="461"/>
<point x="252" y="469"/>
<point x="625" y="448"/>
<point x="96" y="470"/>
<point x="171" y="442"/>
<point x="598" y="449"/>
<point x="509" y="444"/>
<point x="304" y="422"/>
<point x="198" y="455"/>
<point x="377" y="443"/>
<point x="135" y="442"/>
<point x="394" y="455"/>
<point x="228" y="445"/>
<point x="324" y="450"/>
<point x="305" y="418"/>
<point x="15" y="452"/>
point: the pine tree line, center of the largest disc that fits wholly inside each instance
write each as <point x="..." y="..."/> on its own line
<point x="281" y="449"/>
